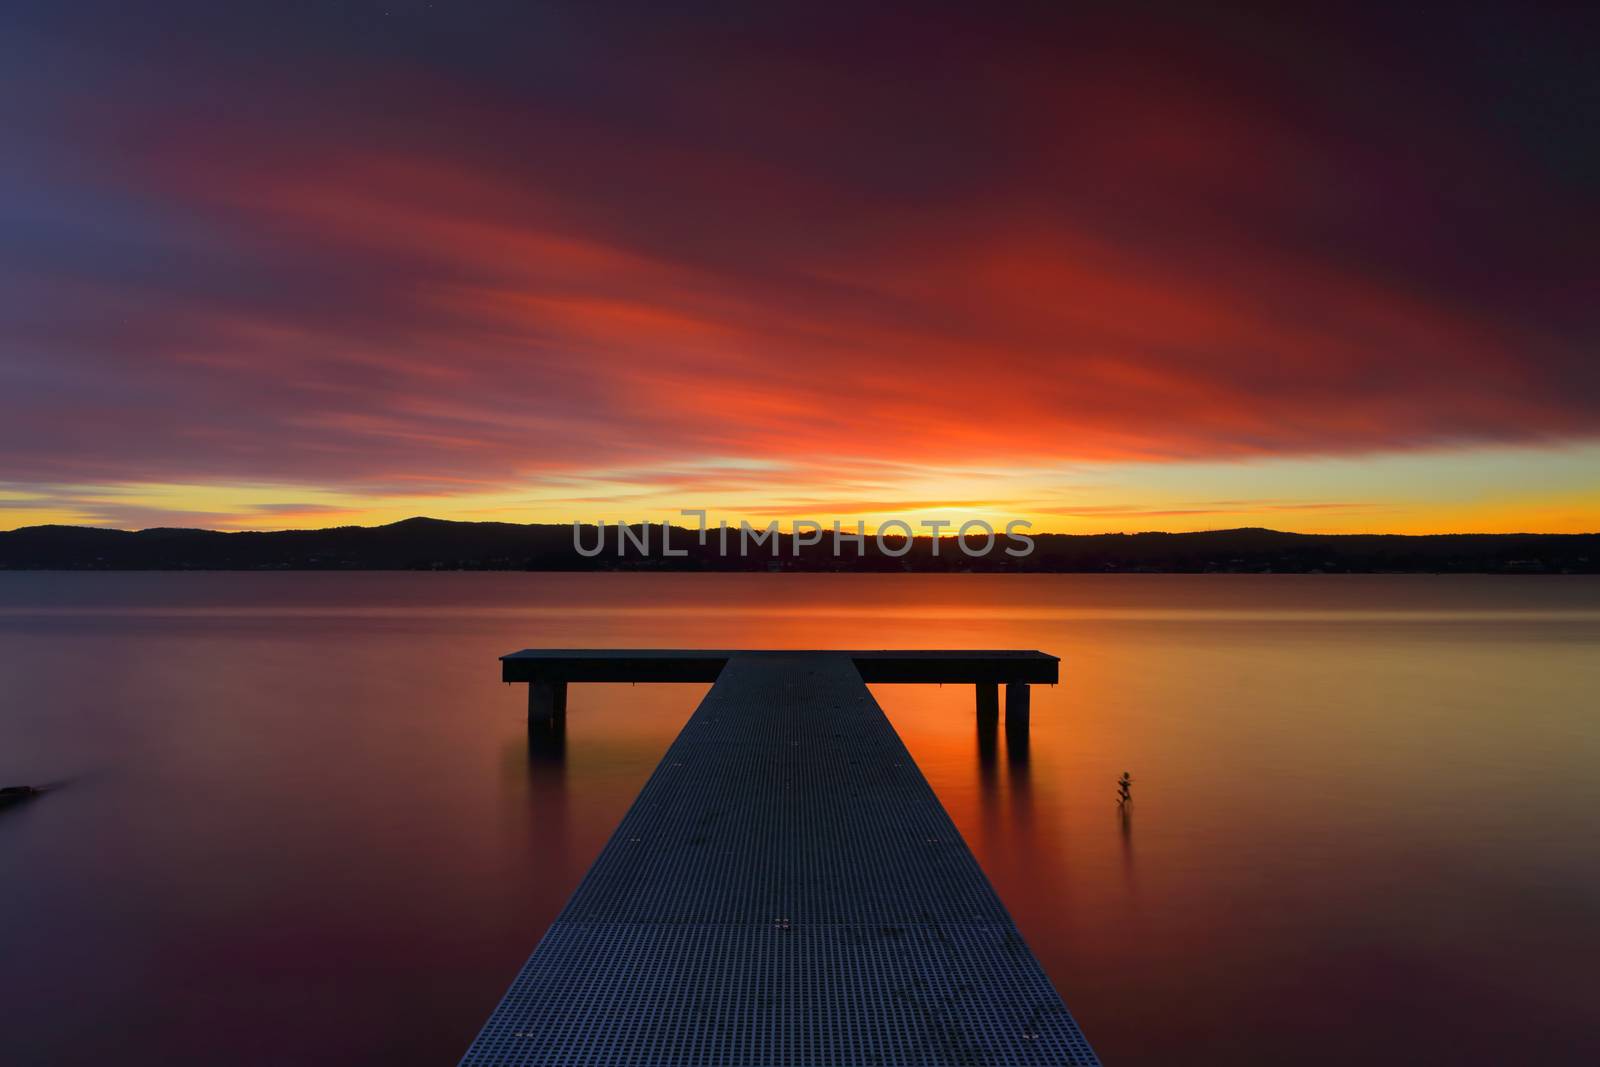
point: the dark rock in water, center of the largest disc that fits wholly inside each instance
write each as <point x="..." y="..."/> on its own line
<point x="16" y="794"/>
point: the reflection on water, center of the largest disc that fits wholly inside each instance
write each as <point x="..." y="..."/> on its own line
<point x="1125" y="831"/>
<point x="307" y="824"/>
<point x="988" y="756"/>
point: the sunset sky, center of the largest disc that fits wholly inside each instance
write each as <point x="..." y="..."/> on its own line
<point x="291" y="265"/>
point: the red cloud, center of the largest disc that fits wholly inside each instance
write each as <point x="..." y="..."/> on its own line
<point x="1135" y="255"/>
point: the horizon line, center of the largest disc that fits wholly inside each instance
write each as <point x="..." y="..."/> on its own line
<point x="789" y="532"/>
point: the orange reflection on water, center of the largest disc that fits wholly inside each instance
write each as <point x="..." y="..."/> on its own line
<point x="1358" y="818"/>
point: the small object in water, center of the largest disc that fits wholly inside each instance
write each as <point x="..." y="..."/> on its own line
<point x="16" y="794"/>
<point x="1124" y="790"/>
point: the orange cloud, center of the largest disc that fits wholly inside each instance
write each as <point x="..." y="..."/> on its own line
<point x="1113" y="245"/>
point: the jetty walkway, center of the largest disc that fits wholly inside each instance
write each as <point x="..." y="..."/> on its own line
<point x="786" y="890"/>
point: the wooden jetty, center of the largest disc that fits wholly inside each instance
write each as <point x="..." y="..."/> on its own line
<point x="786" y="890"/>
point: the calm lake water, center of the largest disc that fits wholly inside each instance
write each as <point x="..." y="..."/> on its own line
<point x="298" y="821"/>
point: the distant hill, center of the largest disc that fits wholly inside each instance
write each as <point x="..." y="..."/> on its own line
<point x="437" y="544"/>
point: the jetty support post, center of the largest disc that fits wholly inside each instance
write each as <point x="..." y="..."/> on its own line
<point x="1018" y="699"/>
<point x="988" y="702"/>
<point x="547" y="701"/>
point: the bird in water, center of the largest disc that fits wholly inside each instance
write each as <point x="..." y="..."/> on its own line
<point x="1124" y="790"/>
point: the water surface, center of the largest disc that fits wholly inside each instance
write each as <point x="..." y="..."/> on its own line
<point x="298" y="821"/>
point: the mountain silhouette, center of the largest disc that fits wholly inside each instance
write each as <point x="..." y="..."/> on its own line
<point x="422" y="543"/>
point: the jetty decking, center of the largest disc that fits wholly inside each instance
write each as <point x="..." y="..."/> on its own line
<point x="785" y="890"/>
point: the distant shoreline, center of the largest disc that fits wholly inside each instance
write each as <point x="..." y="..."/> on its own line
<point x="438" y="544"/>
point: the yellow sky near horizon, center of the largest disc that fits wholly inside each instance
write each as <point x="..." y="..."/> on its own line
<point x="1484" y="490"/>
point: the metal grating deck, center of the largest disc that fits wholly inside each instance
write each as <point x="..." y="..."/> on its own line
<point x="786" y="890"/>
